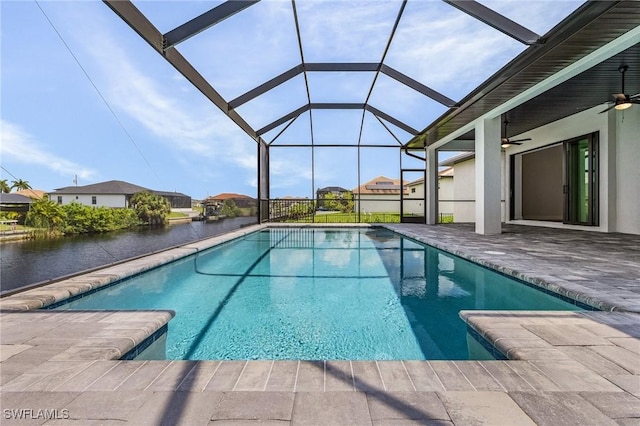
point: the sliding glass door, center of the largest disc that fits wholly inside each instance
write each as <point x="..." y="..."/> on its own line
<point x="581" y="180"/>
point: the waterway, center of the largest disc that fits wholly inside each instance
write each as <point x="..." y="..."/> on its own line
<point x="29" y="262"/>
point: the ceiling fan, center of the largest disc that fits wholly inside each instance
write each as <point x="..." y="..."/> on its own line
<point x="506" y="142"/>
<point x="621" y="100"/>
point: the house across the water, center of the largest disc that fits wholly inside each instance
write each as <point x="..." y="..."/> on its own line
<point x="114" y="193"/>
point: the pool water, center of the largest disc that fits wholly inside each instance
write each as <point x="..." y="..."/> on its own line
<point x="313" y="294"/>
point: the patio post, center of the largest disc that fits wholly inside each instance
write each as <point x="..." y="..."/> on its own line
<point x="431" y="186"/>
<point x="488" y="176"/>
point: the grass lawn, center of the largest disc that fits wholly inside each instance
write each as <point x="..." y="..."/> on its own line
<point x="4" y="227"/>
<point x="177" y="215"/>
<point x="364" y="218"/>
<point x="351" y="218"/>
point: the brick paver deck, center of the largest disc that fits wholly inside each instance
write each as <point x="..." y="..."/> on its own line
<point x="579" y="368"/>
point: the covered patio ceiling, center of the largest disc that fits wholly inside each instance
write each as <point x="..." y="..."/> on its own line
<point x="337" y="73"/>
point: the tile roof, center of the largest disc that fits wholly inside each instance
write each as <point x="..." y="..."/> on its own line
<point x="32" y="193"/>
<point x="380" y="185"/>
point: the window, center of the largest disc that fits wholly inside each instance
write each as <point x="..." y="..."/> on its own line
<point x="413" y="190"/>
<point x="94" y="200"/>
<point x="59" y="199"/>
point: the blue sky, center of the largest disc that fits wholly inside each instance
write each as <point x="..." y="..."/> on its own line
<point x="84" y="95"/>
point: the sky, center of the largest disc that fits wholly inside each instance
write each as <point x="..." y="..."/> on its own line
<point x="83" y="97"/>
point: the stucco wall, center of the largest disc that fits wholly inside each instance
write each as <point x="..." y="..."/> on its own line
<point x="101" y="200"/>
<point x="378" y="203"/>
<point x="445" y="194"/>
<point x="464" y="191"/>
<point x="628" y="171"/>
<point x="619" y="151"/>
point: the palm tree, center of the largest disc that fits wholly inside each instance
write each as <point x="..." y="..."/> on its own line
<point x="45" y="214"/>
<point x="4" y="186"/>
<point x="20" y="184"/>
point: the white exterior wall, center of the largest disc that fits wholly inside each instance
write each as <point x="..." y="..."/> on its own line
<point x="464" y="191"/>
<point x="419" y="187"/>
<point x="619" y="189"/>
<point x="104" y="200"/>
<point x="387" y="203"/>
<point x="445" y="194"/>
<point x="415" y="206"/>
<point x="628" y="171"/>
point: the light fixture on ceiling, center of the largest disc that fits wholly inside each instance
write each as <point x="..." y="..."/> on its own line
<point x="623" y="101"/>
<point x="622" y="104"/>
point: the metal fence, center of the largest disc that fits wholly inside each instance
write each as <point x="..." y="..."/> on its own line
<point x="305" y="210"/>
<point x="311" y="211"/>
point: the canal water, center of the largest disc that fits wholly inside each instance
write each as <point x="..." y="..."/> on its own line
<point x="35" y="261"/>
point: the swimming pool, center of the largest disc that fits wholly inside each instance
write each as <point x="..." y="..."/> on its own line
<point x="313" y="294"/>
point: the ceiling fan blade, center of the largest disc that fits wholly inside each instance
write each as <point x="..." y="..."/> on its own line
<point x="519" y="140"/>
<point x="637" y="95"/>
<point x="605" y="110"/>
<point x="582" y="108"/>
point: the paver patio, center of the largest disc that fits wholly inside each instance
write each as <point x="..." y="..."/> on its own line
<point x="563" y="368"/>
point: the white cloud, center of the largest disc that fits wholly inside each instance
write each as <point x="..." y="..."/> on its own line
<point x="289" y="173"/>
<point x="537" y="15"/>
<point x="18" y="145"/>
<point x="160" y="112"/>
<point x="448" y="50"/>
<point x="166" y="109"/>
<point x="346" y="30"/>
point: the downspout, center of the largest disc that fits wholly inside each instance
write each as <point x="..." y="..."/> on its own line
<point x="406" y="151"/>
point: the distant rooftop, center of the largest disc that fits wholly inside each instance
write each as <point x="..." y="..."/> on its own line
<point x="464" y="156"/>
<point x="31" y="193"/>
<point x="379" y="185"/>
<point x="111" y="187"/>
<point x="13" y="198"/>
<point x="228" y="195"/>
<point x="108" y="187"/>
